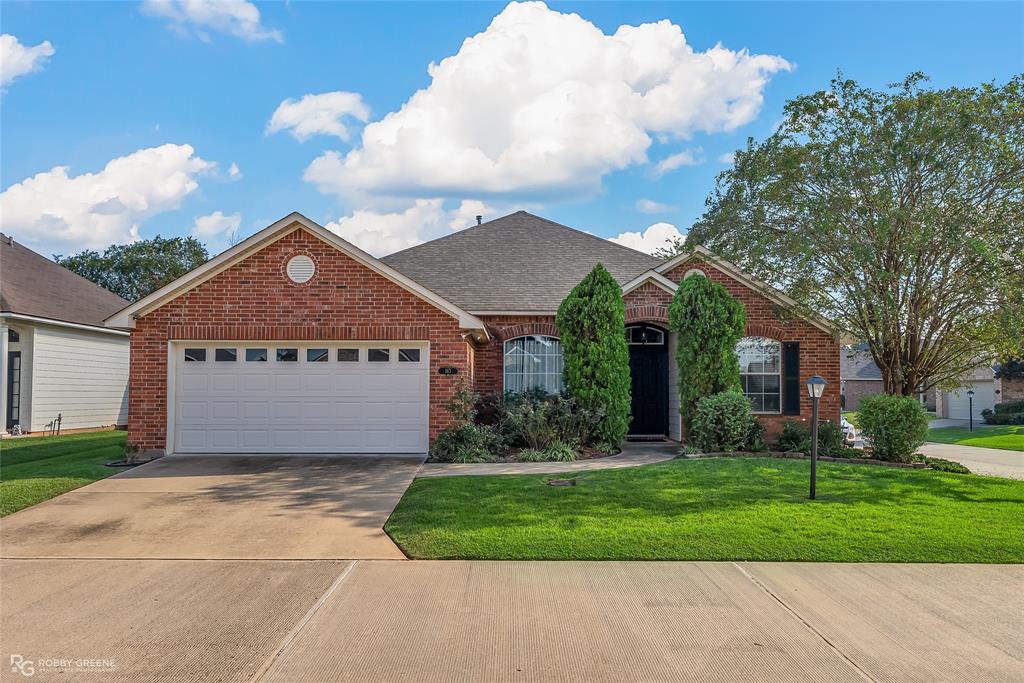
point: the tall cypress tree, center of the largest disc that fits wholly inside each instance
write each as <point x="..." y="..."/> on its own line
<point x="709" y="323"/>
<point x="591" y="323"/>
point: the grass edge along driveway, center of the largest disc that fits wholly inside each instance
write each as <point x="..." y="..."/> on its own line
<point x="34" y="469"/>
<point x="717" y="509"/>
<point x="1006" y="437"/>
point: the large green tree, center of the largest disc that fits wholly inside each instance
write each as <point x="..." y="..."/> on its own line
<point x="709" y="323"/>
<point x="898" y="214"/>
<point x="134" y="270"/>
<point x="591" y="325"/>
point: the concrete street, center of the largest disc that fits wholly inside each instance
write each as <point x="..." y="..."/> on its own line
<point x="154" y="575"/>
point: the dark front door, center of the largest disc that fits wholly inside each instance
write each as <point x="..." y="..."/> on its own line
<point x="13" y="415"/>
<point x="648" y="367"/>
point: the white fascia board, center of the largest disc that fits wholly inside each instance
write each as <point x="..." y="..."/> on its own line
<point x="272" y="233"/>
<point x="652" y="276"/>
<point x="62" y="323"/>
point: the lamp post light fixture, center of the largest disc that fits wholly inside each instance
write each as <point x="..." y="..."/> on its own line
<point x="815" y="388"/>
<point x="970" y="408"/>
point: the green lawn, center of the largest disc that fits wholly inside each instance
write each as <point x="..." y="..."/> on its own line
<point x="1009" y="437"/>
<point x="34" y="469"/>
<point x="717" y="509"/>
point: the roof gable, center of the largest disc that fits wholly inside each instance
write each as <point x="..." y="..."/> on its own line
<point x="516" y="263"/>
<point x="700" y="254"/>
<point x="33" y="285"/>
<point x="125" y="318"/>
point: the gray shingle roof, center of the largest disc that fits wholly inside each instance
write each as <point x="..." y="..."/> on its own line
<point x="31" y="284"/>
<point x="518" y="262"/>
<point x="855" y="363"/>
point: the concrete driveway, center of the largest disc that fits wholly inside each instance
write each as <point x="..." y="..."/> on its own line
<point x="369" y="621"/>
<point x="222" y="507"/>
<point x="993" y="462"/>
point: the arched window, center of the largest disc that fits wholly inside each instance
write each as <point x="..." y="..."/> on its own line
<point x="534" y="362"/>
<point x="761" y="373"/>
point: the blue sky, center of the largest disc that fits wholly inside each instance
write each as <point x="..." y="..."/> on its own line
<point x="543" y="110"/>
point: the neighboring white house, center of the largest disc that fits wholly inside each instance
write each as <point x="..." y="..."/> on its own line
<point x="56" y="357"/>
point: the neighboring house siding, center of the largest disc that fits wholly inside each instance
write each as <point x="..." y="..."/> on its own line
<point x="81" y="375"/>
<point x="254" y="300"/>
<point x="1011" y="390"/>
<point x="856" y="390"/>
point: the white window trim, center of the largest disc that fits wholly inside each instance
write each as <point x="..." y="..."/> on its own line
<point x="778" y="374"/>
<point x="504" y="356"/>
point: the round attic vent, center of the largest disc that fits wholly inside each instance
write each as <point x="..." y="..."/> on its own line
<point x="300" y="269"/>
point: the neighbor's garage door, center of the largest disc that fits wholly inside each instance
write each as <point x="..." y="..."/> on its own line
<point x="280" y="397"/>
<point x="957" y="401"/>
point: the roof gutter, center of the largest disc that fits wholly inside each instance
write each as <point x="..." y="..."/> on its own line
<point x="61" y="323"/>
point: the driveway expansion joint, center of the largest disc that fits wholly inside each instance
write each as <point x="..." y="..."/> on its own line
<point x="297" y="629"/>
<point x="796" y="615"/>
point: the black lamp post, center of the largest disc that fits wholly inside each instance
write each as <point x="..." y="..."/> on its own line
<point x="970" y="408"/>
<point x="815" y="388"/>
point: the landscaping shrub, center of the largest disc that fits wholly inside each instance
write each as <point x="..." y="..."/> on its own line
<point x="590" y="323"/>
<point x="1010" y="407"/>
<point x="466" y="443"/>
<point x="709" y="323"/>
<point x="721" y="422"/>
<point x="536" y="420"/>
<point x="943" y="465"/>
<point x="755" y="436"/>
<point x="895" y="425"/>
<point x="830" y="439"/>
<point x="794" y="437"/>
<point x="1005" y="419"/>
<point x="532" y="455"/>
<point x="1005" y="413"/>
<point x="560" y="452"/>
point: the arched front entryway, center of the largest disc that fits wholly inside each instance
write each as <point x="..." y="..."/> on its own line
<point x="648" y="368"/>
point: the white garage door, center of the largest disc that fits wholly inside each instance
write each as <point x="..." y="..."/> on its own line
<point x="957" y="401"/>
<point x="291" y="397"/>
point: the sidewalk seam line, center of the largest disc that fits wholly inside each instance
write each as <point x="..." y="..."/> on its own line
<point x="757" y="582"/>
<point x="297" y="629"/>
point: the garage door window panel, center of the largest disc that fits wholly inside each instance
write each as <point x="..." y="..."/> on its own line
<point x="379" y="355"/>
<point x="316" y="355"/>
<point x="256" y="355"/>
<point x="195" y="355"/>
<point x="225" y="355"/>
<point x="348" y="355"/>
<point x="408" y="355"/>
<point x="287" y="355"/>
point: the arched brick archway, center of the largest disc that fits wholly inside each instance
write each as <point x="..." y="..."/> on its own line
<point x="524" y="329"/>
<point x="764" y="330"/>
<point x="653" y="313"/>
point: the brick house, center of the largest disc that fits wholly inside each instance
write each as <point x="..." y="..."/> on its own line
<point x="295" y="340"/>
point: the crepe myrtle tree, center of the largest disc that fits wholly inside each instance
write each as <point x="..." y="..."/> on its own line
<point x="709" y="322"/>
<point x="591" y="325"/>
<point x="898" y="214"/>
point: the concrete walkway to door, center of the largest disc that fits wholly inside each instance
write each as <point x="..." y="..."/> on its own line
<point x="222" y="507"/>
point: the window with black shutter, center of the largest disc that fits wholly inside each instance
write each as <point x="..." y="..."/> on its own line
<point x="791" y="378"/>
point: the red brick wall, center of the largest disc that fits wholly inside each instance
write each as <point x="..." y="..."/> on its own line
<point x="254" y="299"/>
<point x="819" y="350"/>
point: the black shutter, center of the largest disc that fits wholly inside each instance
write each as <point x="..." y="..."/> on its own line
<point x="791" y="378"/>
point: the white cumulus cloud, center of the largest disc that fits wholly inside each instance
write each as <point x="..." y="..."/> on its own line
<point x="238" y="18"/>
<point x="384" y="232"/>
<point x="321" y="114"/>
<point x="17" y="59"/>
<point x="688" y="157"/>
<point x="234" y="173"/>
<point x="653" y="238"/>
<point x="727" y="157"/>
<point x="651" y="206"/>
<point x="217" y="230"/>
<point x="543" y="103"/>
<point x="68" y="213"/>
